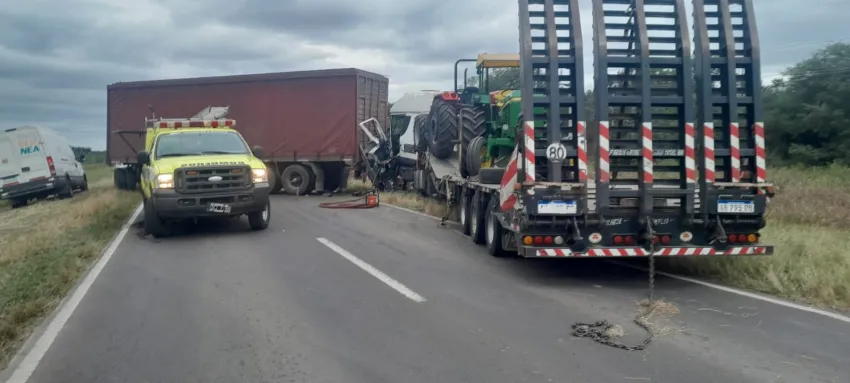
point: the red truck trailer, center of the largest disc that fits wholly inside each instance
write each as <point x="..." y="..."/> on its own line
<point x="306" y="121"/>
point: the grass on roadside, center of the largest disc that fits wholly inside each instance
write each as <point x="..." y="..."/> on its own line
<point x="47" y="246"/>
<point x="807" y="222"/>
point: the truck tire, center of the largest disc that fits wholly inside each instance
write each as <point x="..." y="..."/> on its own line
<point x="472" y="158"/>
<point x="259" y="220"/>
<point x="274" y="180"/>
<point x="420" y="130"/>
<point x="463" y="214"/>
<point x="491" y="176"/>
<point x="442" y="129"/>
<point x="493" y="231"/>
<point x="476" y="217"/>
<point x="296" y="179"/>
<point x="131" y="179"/>
<point x="472" y="125"/>
<point x="119" y="178"/>
<point x="153" y="223"/>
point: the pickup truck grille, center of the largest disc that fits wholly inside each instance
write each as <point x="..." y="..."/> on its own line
<point x="206" y="180"/>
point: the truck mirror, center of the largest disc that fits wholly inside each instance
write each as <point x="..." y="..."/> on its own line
<point x="144" y="158"/>
<point x="258" y="151"/>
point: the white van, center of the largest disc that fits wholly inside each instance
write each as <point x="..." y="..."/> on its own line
<point x="36" y="162"/>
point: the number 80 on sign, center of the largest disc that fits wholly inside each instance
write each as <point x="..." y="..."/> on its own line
<point x="556" y="152"/>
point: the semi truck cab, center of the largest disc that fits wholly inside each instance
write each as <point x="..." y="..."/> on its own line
<point x="194" y="168"/>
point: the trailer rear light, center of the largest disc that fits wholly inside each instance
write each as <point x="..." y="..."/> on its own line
<point x="538" y="240"/>
<point x="655" y="239"/>
<point x="51" y="166"/>
<point x="548" y="240"/>
<point x="618" y="240"/>
<point x="686" y="236"/>
<point x="559" y="240"/>
<point x="733" y="238"/>
<point x="742" y="238"/>
<point x="630" y="240"/>
<point x="595" y="238"/>
<point x="665" y="239"/>
<point x="527" y="240"/>
<point x="753" y="238"/>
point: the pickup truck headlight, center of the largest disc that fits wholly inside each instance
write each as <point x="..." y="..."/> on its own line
<point x="260" y="176"/>
<point x="165" y="181"/>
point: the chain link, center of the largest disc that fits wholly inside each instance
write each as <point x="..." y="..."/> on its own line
<point x="599" y="330"/>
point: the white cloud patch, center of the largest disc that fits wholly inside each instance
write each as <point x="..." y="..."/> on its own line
<point x="58" y="56"/>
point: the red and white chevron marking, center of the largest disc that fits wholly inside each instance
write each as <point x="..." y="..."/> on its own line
<point x="735" y="151"/>
<point x="690" y="154"/>
<point x="646" y="133"/>
<point x="663" y="252"/>
<point x="604" y="153"/>
<point x="507" y="197"/>
<point x="708" y="149"/>
<point x="530" y="158"/>
<point x="581" y="143"/>
<point x="761" y="154"/>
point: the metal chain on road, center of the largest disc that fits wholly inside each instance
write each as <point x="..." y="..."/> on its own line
<point x="599" y="331"/>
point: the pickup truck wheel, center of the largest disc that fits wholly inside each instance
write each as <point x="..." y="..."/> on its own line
<point x="259" y="220"/>
<point x="476" y="218"/>
<point x="295" y="179"/>
<point x="153" y="223"/>
<point x="493" y="232"/>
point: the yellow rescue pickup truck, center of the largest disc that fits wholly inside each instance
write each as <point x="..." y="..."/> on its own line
<point x="194" y="168"/>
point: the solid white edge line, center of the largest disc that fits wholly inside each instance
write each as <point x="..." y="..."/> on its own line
<point x="765" y="298"/>
<point x="30" y="362"/>
<point x="389" y="281"/>
<point x="776" y="301"/>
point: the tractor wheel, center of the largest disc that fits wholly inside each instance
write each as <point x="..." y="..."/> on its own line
<point x="473" y="156"/>
<point x="442" y="131"/>
<point x="472" y="126"/>
<point x="420" y="131"/>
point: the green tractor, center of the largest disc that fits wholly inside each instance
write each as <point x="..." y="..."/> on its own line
<point x="482" y="120"/>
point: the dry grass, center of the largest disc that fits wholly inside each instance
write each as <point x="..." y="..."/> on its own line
<point x="47" y="246"/>
<point x="808" y="222"/>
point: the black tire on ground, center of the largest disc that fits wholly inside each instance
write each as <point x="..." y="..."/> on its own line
<point x="472" y="125"/>
<point x="472" y="159"/>
<point x="493" y="231"/>
<point x="491" y="176"/>
<point x="296" y="179"/>
<point x="442" y="129"/>
<point x="476" y="217"/>
<point x="420" y="130"/>
<point x="132" y="179"/>
<point x="67" y="190"/>
<point x="153" y="223"/>
<point x="274" y="180"/>
<point x="19" y="202"/>
<point x="463" y="213"/>
<point x="259" y="220"/>
<point x="119" y="178"/>
<point x="85" y="185"/>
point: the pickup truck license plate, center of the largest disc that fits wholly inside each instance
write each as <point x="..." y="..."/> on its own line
<point x="216" y="207"/>
<point x="557" y="207"/>
<point x="735" y="207"/>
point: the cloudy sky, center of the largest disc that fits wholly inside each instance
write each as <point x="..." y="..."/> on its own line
<point x="57" y="56"/>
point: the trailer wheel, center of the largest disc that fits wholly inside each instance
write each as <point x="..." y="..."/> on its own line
<point x="464" y="213"/>
<point x="491" y="176"/>
<point x="494" y="231"/>
<point x="131" y="179"/>
<point x="476" y="218"/>
<point x="442" y="129"/>
<point x="296" y="179"/>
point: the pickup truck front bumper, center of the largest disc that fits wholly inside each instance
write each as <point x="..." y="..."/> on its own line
<point x="171" y="204"/>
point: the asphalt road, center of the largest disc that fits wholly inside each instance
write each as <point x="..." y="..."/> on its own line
<point x="388" y="296"/>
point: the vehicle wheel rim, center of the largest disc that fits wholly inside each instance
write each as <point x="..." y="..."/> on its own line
<point x="491" y="228"/>
<point x="295" y="181"/>
<point x="265" y="214"/>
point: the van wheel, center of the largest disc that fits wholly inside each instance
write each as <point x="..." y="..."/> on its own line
<point x="68" y="190"/>
<point x="259" y="220"/>
<point x="85" y="185"/>
<point x="153" y="223"/>
<point x="296" y="179"/>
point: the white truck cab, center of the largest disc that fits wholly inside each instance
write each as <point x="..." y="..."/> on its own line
<point x="36" y="162"/>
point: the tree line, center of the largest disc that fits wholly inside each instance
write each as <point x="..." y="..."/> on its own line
<point x="807" y="108"/>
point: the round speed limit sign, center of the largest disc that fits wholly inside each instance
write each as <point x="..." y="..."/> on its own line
<point x="556" y="152"/>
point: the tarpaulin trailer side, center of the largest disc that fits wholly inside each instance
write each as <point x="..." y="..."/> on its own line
<point x="305" y="118"/>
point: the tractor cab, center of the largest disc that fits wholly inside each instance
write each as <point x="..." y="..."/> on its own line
<point x="479" y="90"/>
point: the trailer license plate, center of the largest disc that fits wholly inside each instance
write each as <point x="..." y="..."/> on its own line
<point x="734" y="207"/>
<point x="216" y="207"/>
<point x="557" y="207"/>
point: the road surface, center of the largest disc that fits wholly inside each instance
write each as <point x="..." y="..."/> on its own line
<point x="383" y="295"/>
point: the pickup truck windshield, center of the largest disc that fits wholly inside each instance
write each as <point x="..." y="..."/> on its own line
<point x="199" y="143"/>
